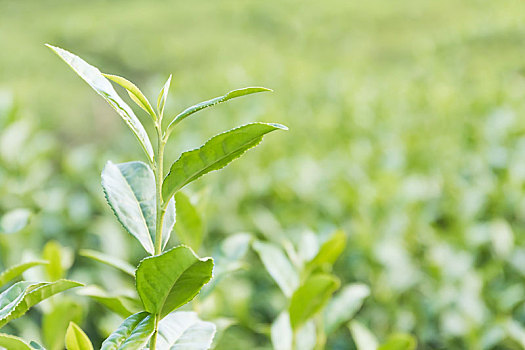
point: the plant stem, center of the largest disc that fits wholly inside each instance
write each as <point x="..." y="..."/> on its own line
<point x="321" y="336"/>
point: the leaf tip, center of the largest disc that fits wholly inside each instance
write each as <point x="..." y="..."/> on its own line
<point x="279" y="126"/>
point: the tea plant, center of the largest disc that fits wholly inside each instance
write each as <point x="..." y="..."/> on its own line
<point x="141" y="196"/>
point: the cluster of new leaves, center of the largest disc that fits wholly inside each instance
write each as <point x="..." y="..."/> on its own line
<point x="143" y="200"/>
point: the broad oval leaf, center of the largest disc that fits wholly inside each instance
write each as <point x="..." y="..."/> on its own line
<point x="20" y="297"/>
<point x="132" y="334"/>
<point x="344" y="306"/>
<point x="209" y="103"/>
<point x="76" y="339"/>
<point x="215" y="154"/>
<point x="134" y="93"/>
<point x="14" y="220"/>
<point x="310" y="297"/>
<point x="130" y="192"/>
<point x="123" y="305"/>
<point x="278" y="266"/>
<point x="11" y="342"/>
<point x="170" y="280"/>
<point x="109" y="260"/>
<point x="329" y="251"/>
<point x="189" y="227"/>
<point x="15" y="271"/>
<point x="184" y="330"/>
<point x="103" y="87"/>
<point x="163" y="96"/>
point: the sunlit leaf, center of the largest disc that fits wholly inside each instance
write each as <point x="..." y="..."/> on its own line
<point x="103" y="87"/>
<point x="278" y="266"/>
<point x="215" y="154"/>
<point x="170" y="280"/>
<point x="363" y="338"/>
<point x="130" y="191"/>
<point x="52" y="253"/>
<point x="281" y="332"/>
<point x="10" y="342"/>
<point x="134" y="93"/>
<point x="306" y="337"/>
<point x="189" y="227"/>
<point x="19" y="298"/>
<point x="76" y="339"/>
<point x="132" y="334"/>
<point x="329" y="251"/>
<point x="109" y="260"/>
<point x="14" y="220"/>
<point x="310" y="297"/>
<point x="163" y="96"/>
<point x="344" y="306"/>
<point x="123" y="305"/>
<point x="15" y="271"/>
<point x="205" y="104"/>
<point x="184" y="330"/>
<point x="399" y="342"/>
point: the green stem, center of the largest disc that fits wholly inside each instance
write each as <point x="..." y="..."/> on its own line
<point x="321" y="336"/>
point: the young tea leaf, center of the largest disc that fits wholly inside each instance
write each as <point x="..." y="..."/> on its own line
<point x="200" y="106"/>
<point x="134" y="93"/>
<point x="52" y="252"/>
<point x="189" y="226"/>
<point x="130" y="192"/>
<point x="76" y="339"/>
<point x="344" y="306"/>
<point x="56" y="319"/>
<point x="15" y="271"/>
<point x="163" y="96"/>
<point x="399" y="342"/>
<point x="170" y="280"/>
<point x="329" y="252"/>
<point x="103" y="87"/>
<point x="132" y="334"/>
<point x="215" y="154"/>
<point x="310" y="297"/>
<point x="109" y="260"/>
<point x="11" y="342"/>
<point x="184" y="330"/>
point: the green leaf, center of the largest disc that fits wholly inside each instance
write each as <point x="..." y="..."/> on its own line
<point x="56" y="320"/>
<point x="363" y="338"/>
<point x="399" y="342"/>
<point x="109" y="260"/>
<point x="76" y="339"/>
<point x="15" y="271"/>
<point x="11" y="342"/>
<point x="278" y="266"/>
<point x="344" y="306"/>
<point x="281" y="332"/>
<point x="215" y="154"/>
<point x="329" y="251"/>
<point x="310" y="297"/>
<point x="14" y="221"/>
<point x="130" y="192"/>
<point x="20" y="297"/>
<point x="184" y="330"/>
<point x="134" y="93"/>
<point x="163" y="96"/>
<point x="103" y="87"/>
<point x="306" y="337"/>
<point x="205" y="104"/>
<point x="132" y="334"/>
<point x="52" y="252"/>
<point x="189" y="226"/>
<point x="170" y="280"/>
<point x="123" y="305"/>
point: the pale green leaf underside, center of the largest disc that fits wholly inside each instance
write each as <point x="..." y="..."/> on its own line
<point x="344" y="306"/>
<point x="130" y="191"/>
<point x="134" y="93"/>
<point x="184" y="330"/>
<point x="132" y="334"/>
<point x="209" y="103"/>
<point x="103" y="87"/>
<point x="20" y="297"/>
<point x="14" y="220"/>
<point x="310" y="297"/>
<point x="109" y="260"/>
<point x="15" y="271"/>
<point x="189" y="227"/>
<point x="170" y="280"/>
<point x="11" y="342"/>
<point x="278" y="266"/>
<point x="123" y="305"/>
<point x="363" y="338"/>
<point x="76" y="339"/>
<point x="215" y="154"/>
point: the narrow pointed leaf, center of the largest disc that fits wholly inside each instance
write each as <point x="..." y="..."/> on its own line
<point x="15" y="271"/>
<point x="310" y="297"/>
<point x="130" y="192"/>
<point x="11" y="342"/>
<point x="52" y="252"/>
<point x="132" y="334"/>
<point x="189" y="227"/>
<point x="329" y="252"/>
<point x="134" y="93"/>
<point x="163" y="96"/>
<point x="215" y="154"/>
<point x="76" y="339"/>
<point x="103" y="87"/>
<point x="123" y="305"/>
<point x="184" y="330"/>
<point x="278" y="266"/>
<point x="109" y="260"/>
<point x="344" y="306"/>
<point x="19" y="298"/>
<point x="205" y="104"/>
<point x="170" y="280"/>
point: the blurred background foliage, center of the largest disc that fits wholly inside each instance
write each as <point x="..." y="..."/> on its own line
<point x="406" y="130"/>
